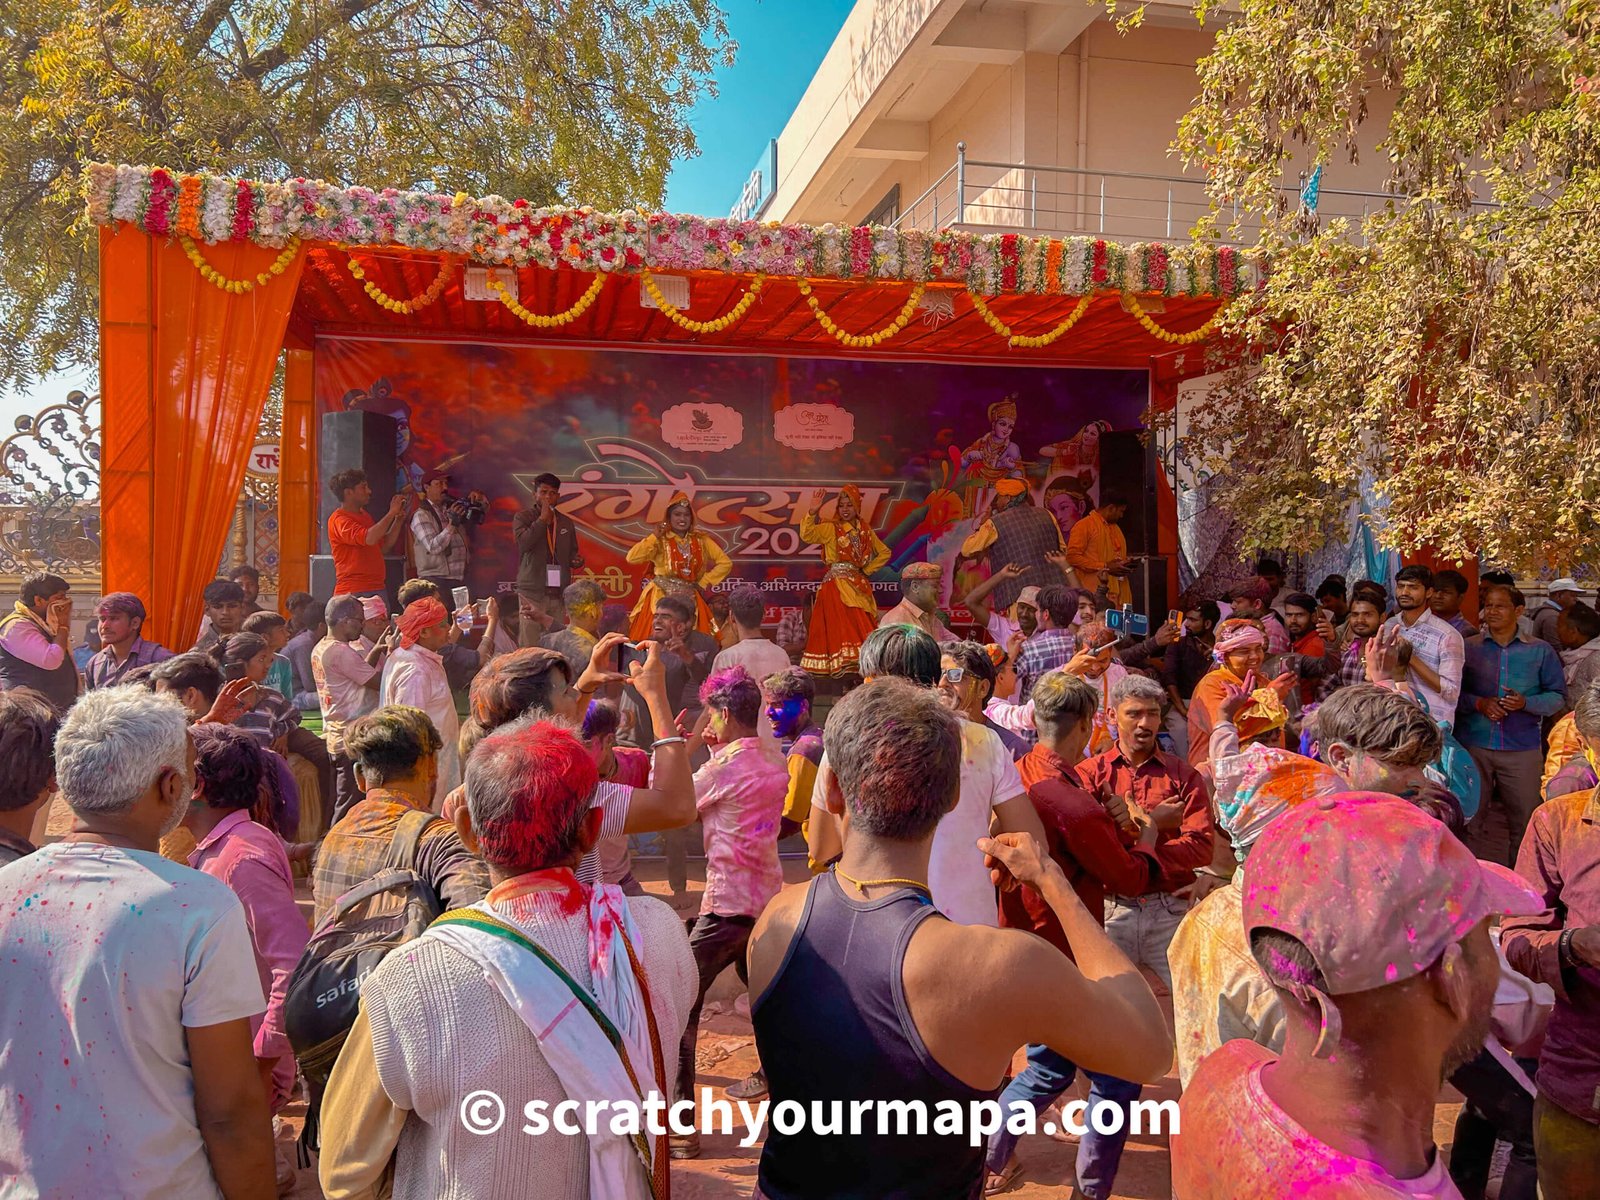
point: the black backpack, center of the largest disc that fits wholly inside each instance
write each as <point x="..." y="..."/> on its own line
<point x="367" y="922"/>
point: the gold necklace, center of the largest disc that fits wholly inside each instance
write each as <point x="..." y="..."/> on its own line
<point x="863" y="884"/>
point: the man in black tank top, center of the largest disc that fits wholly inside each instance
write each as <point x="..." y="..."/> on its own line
<point x="855" y="1001"/>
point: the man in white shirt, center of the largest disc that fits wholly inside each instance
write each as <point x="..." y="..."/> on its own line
<point x="1437" y="651"/>
<point x="414" y="676"/>
<point x="130" y="982"/>
<point x="990" y="788"/>
<point x="756" y="654"/>
<point x="347" y="687"/>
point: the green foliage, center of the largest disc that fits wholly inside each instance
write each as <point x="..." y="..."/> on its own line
<point x="1446" y="346"/>
<point x="555" y="101"/>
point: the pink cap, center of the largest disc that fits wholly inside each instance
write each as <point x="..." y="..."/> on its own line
<point x="374" y="607"/>
<point x="1028" y="596"/>
<point x="1374" y="887"/>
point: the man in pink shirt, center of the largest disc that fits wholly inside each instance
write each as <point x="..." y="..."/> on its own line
<point x="1371" y="921"/>
<point x="250" y="859"/>
<point x="740" y="794"/>
<point x="36" y="642"/>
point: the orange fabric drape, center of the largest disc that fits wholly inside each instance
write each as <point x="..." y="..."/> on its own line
<point x="297" y="472"/>
<point x="185" y="369"/>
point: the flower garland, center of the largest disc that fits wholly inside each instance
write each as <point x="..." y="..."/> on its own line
<point x="539" y="320"/>
<point x="217" y="279"/>
<point x="865" y="340"/>
<point x="405" y="307"/>
<point x="732" y="317"/>
<point x="495" y="231"/>
<point x="1024" y="341"/>
<point x="1177" y="339"/>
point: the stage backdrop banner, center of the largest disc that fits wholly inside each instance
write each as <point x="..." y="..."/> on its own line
<point x="749" y="438"/>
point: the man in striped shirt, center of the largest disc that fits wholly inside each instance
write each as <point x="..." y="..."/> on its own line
<point x="1437" y="649"/>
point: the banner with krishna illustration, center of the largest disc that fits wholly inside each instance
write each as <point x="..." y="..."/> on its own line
<point x="749" y="438"/>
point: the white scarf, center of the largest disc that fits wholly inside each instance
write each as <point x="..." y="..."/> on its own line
<point x="574" y="1045"/>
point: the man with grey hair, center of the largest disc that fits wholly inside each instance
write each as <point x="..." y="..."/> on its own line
<point x="347" y="688"/>
<point x="141" y="992"/>
<point x="1138" y="773"/>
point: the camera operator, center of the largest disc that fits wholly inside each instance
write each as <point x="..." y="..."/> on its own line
<point x="439" y="533"/>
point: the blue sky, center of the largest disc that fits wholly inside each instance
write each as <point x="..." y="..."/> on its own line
<point x="780" y="44"/>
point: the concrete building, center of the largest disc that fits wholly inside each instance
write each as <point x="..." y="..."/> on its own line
<point x="1034" y="115"/>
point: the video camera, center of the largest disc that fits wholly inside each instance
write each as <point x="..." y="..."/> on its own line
<point x="1124" y="622"/>
<point x="468" y="510"/>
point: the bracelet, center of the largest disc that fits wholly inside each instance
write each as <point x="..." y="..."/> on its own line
<point x="1564" y="954"/>
<point x="669" y="741"/>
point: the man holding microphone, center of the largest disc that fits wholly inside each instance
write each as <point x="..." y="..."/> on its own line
<point x="547" y="542"/>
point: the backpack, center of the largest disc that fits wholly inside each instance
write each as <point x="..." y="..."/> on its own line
<point x="324" y="992"/>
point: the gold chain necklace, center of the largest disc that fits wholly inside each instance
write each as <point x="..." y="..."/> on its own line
<point x="863" y="884"/>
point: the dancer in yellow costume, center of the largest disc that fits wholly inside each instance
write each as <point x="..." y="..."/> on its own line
<point x="685" y="562"/>
<point x="845" y="611"/>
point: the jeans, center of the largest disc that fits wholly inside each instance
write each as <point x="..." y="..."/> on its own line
<point x="1569" y="1152"/>
<point x="345" y="790"/>
<point x="1142" y="928"/>
<point x="1497" y="1107"/>
<point x="1046" y="1077"/>
<point x="716" y="941"/>
<point x="1510" y="794"/>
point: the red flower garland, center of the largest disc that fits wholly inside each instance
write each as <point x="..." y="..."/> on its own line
<point x="1008" y="261"/>
<point x="861" y="250"/>
<point x="158" y="219"/>
<point x="243" y="213"/>
<point x="1097" y="271"/>
<point x="1227" y="272"/>
<point x="1155" y="268"/>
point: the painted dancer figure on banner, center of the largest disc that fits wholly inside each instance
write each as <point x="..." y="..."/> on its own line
<point x="1079" y="453"/>
<point x="845" y="611"/>
<point x="685" y="562"/>
<point x="1017" y="534"/>
<point x="995" y="456"/>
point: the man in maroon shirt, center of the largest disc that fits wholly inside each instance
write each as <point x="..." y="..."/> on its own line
<point x="1171" y="794"/>
<point x="1083" y="837"/>
<point x="1560" y="857"/>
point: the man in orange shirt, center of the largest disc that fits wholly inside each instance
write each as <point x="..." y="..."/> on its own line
<point x="357" y="542"/>
<point x="1097" y="551"/>
<point x="1300" y="621"/>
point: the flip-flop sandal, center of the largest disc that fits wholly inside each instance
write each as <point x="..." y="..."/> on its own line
<point x="1003" y="1181"/>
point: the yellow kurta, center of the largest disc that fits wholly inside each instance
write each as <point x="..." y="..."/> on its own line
<point x="851" y="591"/>
<point x="1093" y="544"/>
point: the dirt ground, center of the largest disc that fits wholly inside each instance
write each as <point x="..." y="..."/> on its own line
<point x="725" y="1171"/>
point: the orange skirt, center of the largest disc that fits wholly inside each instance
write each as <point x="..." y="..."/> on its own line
<point x="833" y="643"/>
<point x="644" y="613"/>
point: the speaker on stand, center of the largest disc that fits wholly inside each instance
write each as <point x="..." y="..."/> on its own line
<point x="1128" y="465"/>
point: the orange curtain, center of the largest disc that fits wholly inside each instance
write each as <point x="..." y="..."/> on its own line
<point x="297" y="471"/>
<point x="185" y="370"/>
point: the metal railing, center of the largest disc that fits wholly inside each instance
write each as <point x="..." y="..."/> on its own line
<point x="1065" y="201"/>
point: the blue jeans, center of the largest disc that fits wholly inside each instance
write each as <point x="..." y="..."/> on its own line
<point x="1045" y="1078"/>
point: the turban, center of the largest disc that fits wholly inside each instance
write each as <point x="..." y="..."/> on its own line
<point x="922" y="570"/>
<point x="1257" y="786"/>
<point x="680" y="498"/>
<point x="1009" y="487"/>
<point x="1003" y="408"/>
<point x="374" y="608"/>
<point x="1236" y="633"/>
<point x="854" y="493"/>
<point x="419" y="615"/>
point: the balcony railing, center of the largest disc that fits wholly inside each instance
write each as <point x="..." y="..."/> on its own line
<point x="1123" y="206"/>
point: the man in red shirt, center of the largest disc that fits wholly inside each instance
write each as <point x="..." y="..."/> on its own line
<point x="357" y="542"/>
<point x="1082" y="836"/>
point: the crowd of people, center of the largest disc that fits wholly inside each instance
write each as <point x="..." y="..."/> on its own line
<point x="1353" y="834"/>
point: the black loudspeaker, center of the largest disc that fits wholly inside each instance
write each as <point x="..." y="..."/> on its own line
<point x="1128" y="465"/>
<point x="355" y="439"/>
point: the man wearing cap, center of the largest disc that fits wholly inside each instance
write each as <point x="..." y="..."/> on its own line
<point x="1561" y="595"/>
<point x="415" y="677"/>
<point x="919" y="604"/>
<point x="1377" y="945"/>
<point x="347" y="680"/>
<point x="438" y="538"/>
<point x="1560" y="857"/>
<point x="120" y="617"/>
<point x="1017" y="534"/>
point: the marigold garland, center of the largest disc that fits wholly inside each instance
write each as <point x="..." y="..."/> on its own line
<point x="237" y="286"/>
<point x="1176" y="339"/>
<point x="405" y="307"/>
<point x="1024" y="341"/>
<point x="865" y="340"/>
<point x="555" y="320"/>
<point x="732" y="317"/>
